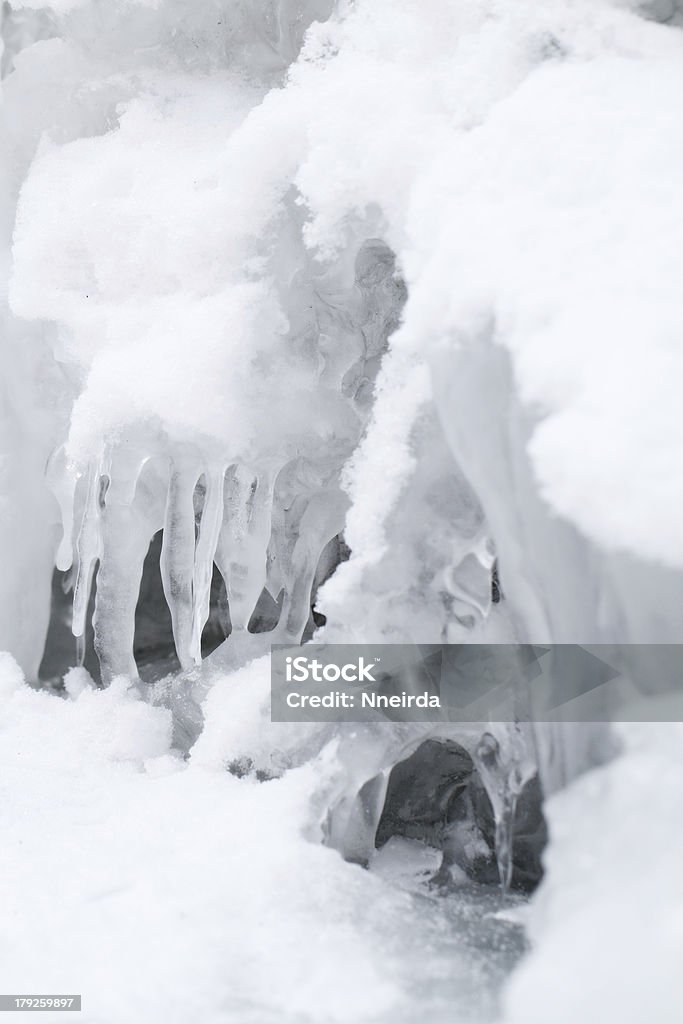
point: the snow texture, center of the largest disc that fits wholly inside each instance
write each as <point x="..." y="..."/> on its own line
<point x="161" y="889"/>
<point x="402" y="271"/>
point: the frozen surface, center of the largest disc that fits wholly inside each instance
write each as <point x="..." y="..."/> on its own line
<point x="158" y="887"/>
<point x="163" y="890"/>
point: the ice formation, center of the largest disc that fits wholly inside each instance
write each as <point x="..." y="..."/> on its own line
<point x="197" y="245"/>
<point x="393" y="275"/>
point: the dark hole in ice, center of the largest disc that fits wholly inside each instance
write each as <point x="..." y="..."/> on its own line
<point x="59" y="654"/>
<point x="153" y="630"/>
<point x="266" y="614"/>
<point x="436" y="796"/>
<point x="496" y="592"/>
<point x="332" y="555"/>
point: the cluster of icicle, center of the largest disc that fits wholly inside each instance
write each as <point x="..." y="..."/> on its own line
<point x="264" y="523"/>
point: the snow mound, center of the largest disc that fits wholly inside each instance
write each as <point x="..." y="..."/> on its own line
<point x="607" y="927"/>
<point x="161" y="890"/>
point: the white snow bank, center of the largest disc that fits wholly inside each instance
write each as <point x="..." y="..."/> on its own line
<point x="98" y="726"/>
<point x="523" y="161"/>
<point x="164" y="892"/>
<point x="143" y="281"/>
<point x="159" y="891"/>
<point x="237" y="725"/>
<point x="607" y="925"/>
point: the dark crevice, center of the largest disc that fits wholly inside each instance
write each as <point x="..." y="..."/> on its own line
<point x="437" y="797"/>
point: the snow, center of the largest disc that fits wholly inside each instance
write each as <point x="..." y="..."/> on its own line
<point x="160" y="889"/>
<point x="202" y="279"/>
<point x="166" y="875"/>
<point x="541" y="209"/>
<point x="196" y="230"/>
<point x="607" y="927"/>
<point x="161" y="311"/>
<point x="530" y="200"/>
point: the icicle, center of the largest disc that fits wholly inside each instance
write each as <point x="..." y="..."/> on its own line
<point x="126" y="527"/>
<point x="242" y="548"/>
<point x="505" y="767"/>
<point x="209" y="530"/>
<point x="338" y="332"/>
<point x="177" y="553"/>
<point x="274" y="582"/>
<point x="312" y="524"/>
<point x="62" y="482"/>
<point x="358" y="840"/>
<point x="80" y="650"/>
<point x="88" y="550"/>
